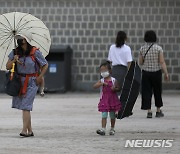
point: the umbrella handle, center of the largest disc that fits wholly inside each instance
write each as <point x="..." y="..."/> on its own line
<point x="12" y="71"/>
<point x="13" y="67"/>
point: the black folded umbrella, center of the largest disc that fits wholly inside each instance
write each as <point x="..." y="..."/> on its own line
<point x="130" y="90"/>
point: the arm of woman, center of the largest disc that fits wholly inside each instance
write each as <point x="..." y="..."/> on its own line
<point x="129" y="64"/>
<point x="140" y="59"/>
<point x="10" y="62"/>
<point x="43" y="71"/>
<point x="163" y="65"/>
<point x="43" y="66"/>
<point x="129" y="57"/>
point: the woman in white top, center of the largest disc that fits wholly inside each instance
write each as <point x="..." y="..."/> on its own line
<point x="121" y="57"/>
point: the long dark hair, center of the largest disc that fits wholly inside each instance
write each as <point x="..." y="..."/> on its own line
<point x="19" y="50"/>
<point x="120" y="39"/>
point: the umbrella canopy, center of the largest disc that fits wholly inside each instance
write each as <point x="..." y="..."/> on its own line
<point x="26" y="25"/>
<point x="130" y="90"/>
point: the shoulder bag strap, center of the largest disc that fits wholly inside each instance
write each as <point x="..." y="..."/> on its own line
<point x="147" y="51"/>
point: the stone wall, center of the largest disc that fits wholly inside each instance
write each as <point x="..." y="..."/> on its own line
<point x="90" y="27"/>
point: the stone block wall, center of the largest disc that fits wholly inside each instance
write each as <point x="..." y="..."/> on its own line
<point x="90" y="27"/>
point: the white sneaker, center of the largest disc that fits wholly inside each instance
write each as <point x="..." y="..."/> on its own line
<point x="42" y="94"/>
<point x="101" y="132"/>
<point x="112" y="132"/>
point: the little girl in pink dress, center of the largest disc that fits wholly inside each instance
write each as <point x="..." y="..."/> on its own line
<point x="109" y="101"/>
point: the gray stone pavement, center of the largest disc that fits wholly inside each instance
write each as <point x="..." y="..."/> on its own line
<point x="66" y="124"/>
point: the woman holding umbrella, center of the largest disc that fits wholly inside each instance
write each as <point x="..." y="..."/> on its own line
<point x="28" y="69"/>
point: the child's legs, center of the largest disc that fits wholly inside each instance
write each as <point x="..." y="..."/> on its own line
<point x="104" y="119"/>
<point x="113" y="119"/>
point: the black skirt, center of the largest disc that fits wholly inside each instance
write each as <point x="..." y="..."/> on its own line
<point x="119" y="72"/>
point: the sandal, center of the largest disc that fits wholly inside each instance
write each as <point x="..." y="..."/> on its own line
<point x="30" y="135"/>
<point x="23" y="135"/>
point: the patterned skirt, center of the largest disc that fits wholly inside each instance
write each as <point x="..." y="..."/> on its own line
<point x="25" y="102"/>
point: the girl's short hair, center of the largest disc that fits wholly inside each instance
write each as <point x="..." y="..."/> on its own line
<point x="106" y="64"/>
<point x="150" y="36"/>
<point x="120" y="39"/>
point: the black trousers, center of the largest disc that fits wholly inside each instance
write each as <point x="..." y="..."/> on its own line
<point x="151" y="84"/>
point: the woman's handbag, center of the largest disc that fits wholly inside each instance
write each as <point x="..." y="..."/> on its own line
<point x="13" y="82"/>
